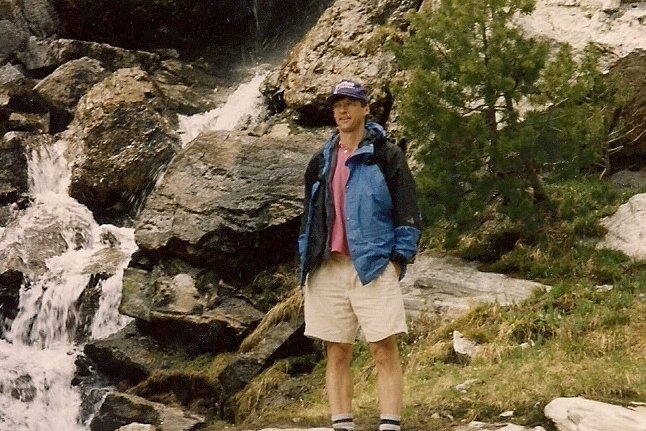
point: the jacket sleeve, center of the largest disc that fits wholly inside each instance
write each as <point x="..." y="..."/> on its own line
<point x="310" y="177"/>
<point x="406" y="214"/>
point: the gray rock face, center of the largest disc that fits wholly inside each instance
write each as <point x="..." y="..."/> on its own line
<point x="627" y="228"/>
<point x="47" y="54"/>
<point x="447" y="287"/>
<point x="227" y="200"/>
<point x="129" y="356"/>
<point x="63" y="88"/>
<point x="37" y="17"/>
<point x="343" y="44"/>
<point x="200" y="322"/>
<point x="126" y="136"/>
<point x="12" y="40"/>
<point x="580" y="414"/>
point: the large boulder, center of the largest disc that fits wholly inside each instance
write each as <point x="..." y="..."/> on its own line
<point x="200" y="318"/>
<point x="126" y="136"/>
<point x="345" y="43"/>
<point x="447" y="287"/>
<point x="226" y="200"/>
<point x="62" y="89"/>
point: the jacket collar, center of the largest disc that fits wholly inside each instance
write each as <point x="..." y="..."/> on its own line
<point x="373" y="135"/>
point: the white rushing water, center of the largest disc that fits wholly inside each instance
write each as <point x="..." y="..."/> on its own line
<point x="38" y="351"/>
<point x="39" y="347"/>
<point x="240" y="105"/>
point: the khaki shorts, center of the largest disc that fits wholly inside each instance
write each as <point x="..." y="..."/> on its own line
<point x="337" y="304"/>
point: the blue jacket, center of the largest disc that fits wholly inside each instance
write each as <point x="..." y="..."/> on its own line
<point x="382" y="217"/>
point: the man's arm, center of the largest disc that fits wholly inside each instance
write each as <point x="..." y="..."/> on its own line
<point x="406" y="215"/>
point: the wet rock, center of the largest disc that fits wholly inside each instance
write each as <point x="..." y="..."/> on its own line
<point x="177" y="312"/>
<point x="10" y="284"/>
<point x="226" y="200"/>
<point x="188" y="27"/>
<point x="121" y="409"/>
<point x="14" y="185"/>
<point x="126" y="136"/>
<point x="28" y="122"/>
<point x="129" y="356"/>
<point x="20" y="107"/>
<point x="188" y="89"/>
<point x="62" y="89"/>
<point x="23" y="389"/>
<point x="86" y="306"/>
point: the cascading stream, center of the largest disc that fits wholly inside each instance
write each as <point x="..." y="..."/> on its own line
<point x="39" y="347"/>
<point x="38" y="351"/>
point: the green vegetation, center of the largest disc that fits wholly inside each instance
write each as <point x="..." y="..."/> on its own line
<point x="496" y="117"/>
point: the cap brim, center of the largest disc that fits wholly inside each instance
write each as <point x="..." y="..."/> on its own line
<point x="334" y="97"/>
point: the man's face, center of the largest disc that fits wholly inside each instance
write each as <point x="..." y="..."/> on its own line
<point x="349" y="114"/>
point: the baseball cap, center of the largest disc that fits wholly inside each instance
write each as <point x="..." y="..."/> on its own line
<point x="350" y="89"/>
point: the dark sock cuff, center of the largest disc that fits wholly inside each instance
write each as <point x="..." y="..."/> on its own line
<point x="343" y="422"/>
<point x="390" y="423"/>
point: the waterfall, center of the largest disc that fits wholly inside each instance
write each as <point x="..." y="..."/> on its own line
<point x="40" y="345"/>
<point x="240" y="105"/>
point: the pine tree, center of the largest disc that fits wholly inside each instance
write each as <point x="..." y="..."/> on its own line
<point x="494" y="113"/>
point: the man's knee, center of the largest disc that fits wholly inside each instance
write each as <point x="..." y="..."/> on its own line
<point x="385" y="352"/>
<point x="338" y="354"/>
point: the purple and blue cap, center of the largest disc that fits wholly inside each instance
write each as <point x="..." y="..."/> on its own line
<point x="350" y="89"/>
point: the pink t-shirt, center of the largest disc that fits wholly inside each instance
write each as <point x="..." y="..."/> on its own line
<point x="338" y="241"/>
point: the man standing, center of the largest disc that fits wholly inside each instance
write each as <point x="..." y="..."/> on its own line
<point x="360" y="228"/>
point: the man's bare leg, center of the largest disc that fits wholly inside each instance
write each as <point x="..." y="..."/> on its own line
<point x="338" y="383"/>
<point x="390" y="380"/>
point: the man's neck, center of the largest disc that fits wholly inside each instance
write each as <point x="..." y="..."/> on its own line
<point x="351" y="140"/>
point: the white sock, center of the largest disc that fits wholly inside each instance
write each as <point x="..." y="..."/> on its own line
<point x="343" y="421"/>
<point x="390" y="423"/>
